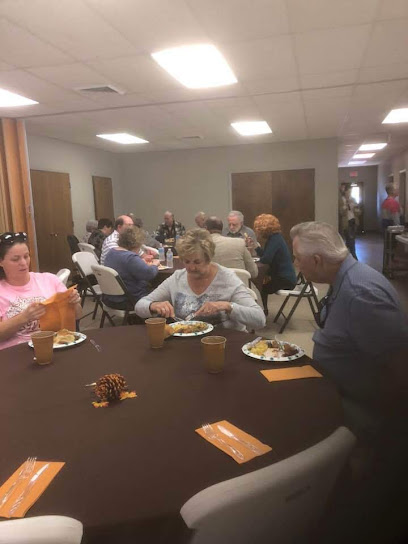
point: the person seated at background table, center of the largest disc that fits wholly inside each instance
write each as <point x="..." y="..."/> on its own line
<point x="214" y="293"/>
<point x="105" y="228"/>
<point x="169" y="230"/>
<point x="276" y="254"/>
<point x="90" y="227"/>
<point x="237" y="229"/>
<point x="134" y="271"/>
<point x="22" y="291"/>
<point x="149" y="240"/>
<point x="230" y="252"/>
<point x="200" y="219"/>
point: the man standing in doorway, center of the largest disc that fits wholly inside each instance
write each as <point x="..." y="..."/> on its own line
<point x="390" y="208"/>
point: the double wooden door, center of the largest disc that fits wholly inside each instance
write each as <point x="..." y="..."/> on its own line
<point x="53" y="219"/>
<point x="287" y="194"/>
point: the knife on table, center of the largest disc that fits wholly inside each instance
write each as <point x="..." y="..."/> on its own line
<point x="25" y="491"/>
<point x="240" y="440"/>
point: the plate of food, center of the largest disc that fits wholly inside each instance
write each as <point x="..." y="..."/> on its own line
<point x="272" y="350"/>
<point x="190" y="328"/>
<point x="65" y="339"/>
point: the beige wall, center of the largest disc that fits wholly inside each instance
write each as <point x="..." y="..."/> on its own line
<point x="192" y="180"/>
<point x="81" y="163"/>
<point x="369" y="176"/>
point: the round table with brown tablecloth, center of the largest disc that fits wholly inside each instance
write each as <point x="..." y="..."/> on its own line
<point x="130" y="467"/>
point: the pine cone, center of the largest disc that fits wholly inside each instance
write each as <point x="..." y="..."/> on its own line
<point x="110" y="386"/>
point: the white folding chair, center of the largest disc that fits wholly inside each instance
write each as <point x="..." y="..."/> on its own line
<point x="41" y="530"/>
<point x="304" y="289"/>
<point x="63" y="275"/>
<point x="243" y="275"/>
<point x="87" y="248"/>
<point x="280" y="503"/>
<point x="112" y="284"/>
<point x="84" y="261"/>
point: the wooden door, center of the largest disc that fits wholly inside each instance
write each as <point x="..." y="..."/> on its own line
<point x="287" y="194"/>
<point x="53" y="219"/>
<point x="103" y="197"/>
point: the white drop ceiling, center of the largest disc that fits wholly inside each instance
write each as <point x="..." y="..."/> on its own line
<point x="309" y="68"/>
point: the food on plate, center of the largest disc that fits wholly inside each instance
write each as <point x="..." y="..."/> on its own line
<point x="259" y="348"/>
<point x="289" y="350"/>
<point x="189" y="328"/>
<point x="273" y="348"/>
<point x="168" y="331"/>
<point x="64" y="336"/>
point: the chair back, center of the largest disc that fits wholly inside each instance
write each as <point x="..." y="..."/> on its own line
<point x="243" y="275"/>
<point x="63" y="275"/>
<point x="87" y="247"/>
<point x="109" y="280"/>
<point x="41" y="530"/>
<point x="280" y="503"/>
<point x="84" y="261"/>
<point x="73" y="243"/>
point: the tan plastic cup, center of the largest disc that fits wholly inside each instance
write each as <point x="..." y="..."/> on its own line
<point x="43" y="342"/>
<point x="214" y="353"/>
<point x="155" y="329"/>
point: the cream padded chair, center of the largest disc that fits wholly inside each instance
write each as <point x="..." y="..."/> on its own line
<point x="87" y="248"/>
<point x="243" y="275"/>
<point x="280" y="503"/>
<point x="84" y="261"/>
<point x="63" y="275"/>
<point x="41" y="530"/>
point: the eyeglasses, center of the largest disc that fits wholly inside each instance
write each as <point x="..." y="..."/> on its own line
<point x="9" y="238"/>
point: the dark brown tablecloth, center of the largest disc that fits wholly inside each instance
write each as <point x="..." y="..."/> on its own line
<point x="130" y="467"/>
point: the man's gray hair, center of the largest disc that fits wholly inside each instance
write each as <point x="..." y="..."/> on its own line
<point x="316" y="237"/>
<point x="390" y="188"/>
<point x="237" y="214"/>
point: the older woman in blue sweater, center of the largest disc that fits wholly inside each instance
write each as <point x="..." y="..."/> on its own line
<point x="275" y="253"/>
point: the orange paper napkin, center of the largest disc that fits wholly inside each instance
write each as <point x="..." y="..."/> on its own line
<point x="59" y="314"/>
<point x="247" y="453"/>
<point x="35" y="492"/>
<point x="292" y="373"/>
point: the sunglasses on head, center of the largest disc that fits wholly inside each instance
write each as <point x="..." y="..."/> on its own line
<point x="9" y="238"/>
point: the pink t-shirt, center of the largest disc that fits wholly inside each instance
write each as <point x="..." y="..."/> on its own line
<point x="15" y="298"/>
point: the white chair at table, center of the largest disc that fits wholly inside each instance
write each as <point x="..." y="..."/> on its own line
<point x="41" y="530"/>
<point x="243" y="275"/>
<point x="89" y="248"/>
<point x="63" y="275"/>
<point x="111" y="284"/>
<point x="84" y="261"/>
<point x="281" y="503"/>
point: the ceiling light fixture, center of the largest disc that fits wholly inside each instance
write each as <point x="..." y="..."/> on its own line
<point x="122" y="138"/>
<point x="252" y="128"/>
<point x="397" y="116"/>
<point x="196" y="66"/>
<point x="356" y="163"/>
<point x="11" y="100"/>
<point x="372" y="147"/>
<point x="363" y="155"/>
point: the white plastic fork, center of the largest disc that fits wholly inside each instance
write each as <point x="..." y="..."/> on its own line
<point x="24" y="473"/>
<point x="212" y="435"/>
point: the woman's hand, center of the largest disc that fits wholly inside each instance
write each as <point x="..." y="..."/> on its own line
<point x="33" y="312"/>
<point x="74" y="297"/>
<point x="211" y="308"/>
<point x="165" y="309"/>
<point x="147" y="258"/>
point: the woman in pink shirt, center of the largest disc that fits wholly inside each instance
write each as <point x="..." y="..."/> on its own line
<point x="22" y="291"/>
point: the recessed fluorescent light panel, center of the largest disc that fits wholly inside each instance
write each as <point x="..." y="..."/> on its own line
<point x="10" y="100"/>
<point x="372" y="147"/>
<point x="123" y="138"/>
<point x="397" y="116"/>
<point x="356" y="163"/>
<point x="363" y="155"/>
<point x="196" y="66"/>
<point x="252" y="128"/>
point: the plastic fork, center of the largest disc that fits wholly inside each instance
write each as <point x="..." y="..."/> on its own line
<point x="24" y="473"/>
<point x="212" y="435"/>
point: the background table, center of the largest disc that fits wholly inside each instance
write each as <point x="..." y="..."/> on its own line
<point x="130" y="467"/>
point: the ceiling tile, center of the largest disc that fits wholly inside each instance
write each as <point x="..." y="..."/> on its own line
<point x="235" y="109"/>
<point x="23" y="49"/>
<point x="71" y="26"/>
<point x="240" y="20"/>
<point x="393" y="9"/>
<point x="4" y="66"/>
<point x="386" y="71"/>
<point x="318" y="14"/>
<point x="333" y="50"/>
<point x="388" y="42"/>
<point x="331" y="79"/>
<point x="70" y="76"/>
<point x="272" y="85"/>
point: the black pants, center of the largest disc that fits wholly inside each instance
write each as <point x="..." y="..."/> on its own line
<point x="350" y="237"/>
<point x="273" y="286"/>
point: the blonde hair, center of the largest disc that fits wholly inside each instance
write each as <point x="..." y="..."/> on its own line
<point x="266" y="224"/>
<point x="131" y="238"/>
<point x="196" y="241"/>
<point x="316" y="237"/>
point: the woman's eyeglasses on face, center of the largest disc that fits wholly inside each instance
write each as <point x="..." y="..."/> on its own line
<point x="9" y="238"/>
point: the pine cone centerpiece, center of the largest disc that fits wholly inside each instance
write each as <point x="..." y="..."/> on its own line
<point x="110" y="387"/>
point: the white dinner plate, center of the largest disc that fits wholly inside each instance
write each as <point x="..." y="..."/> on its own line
<point x="300" y="353"/>
<point x="78" y="340"/>
<point x="209" y="328"/>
